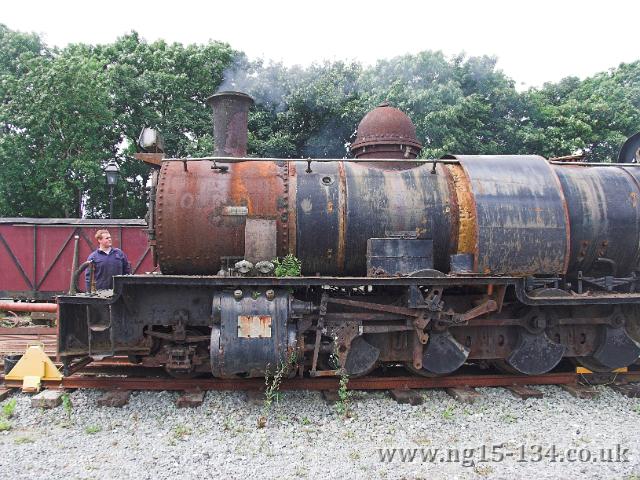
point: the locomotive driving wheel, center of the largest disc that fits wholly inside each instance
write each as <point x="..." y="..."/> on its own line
<point x="442" y="355"/>
<point x="618" y="344"/>
<point x="534" y="353"/>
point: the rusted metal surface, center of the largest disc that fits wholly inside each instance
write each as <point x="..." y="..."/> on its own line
<point x="520" y="215"/>
<point x="36" y="254"/>
<point x="386" y="132"/>
<point x="322" y="383"/>
<point x="466" y="240"/>
<point x="28" y="307"/>
<point x="604" y="212"/>
<point x="201" y="213"/>
<point x="254" y="326"/>
<point x="230" y="117"/>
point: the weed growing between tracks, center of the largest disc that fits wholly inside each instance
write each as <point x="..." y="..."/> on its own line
<point x="8" y="409"/>
<point x="343" y="405"/>
<point x="67" y="405"/>
<point x="272" y="384"/>
<point x="91" y="429"/>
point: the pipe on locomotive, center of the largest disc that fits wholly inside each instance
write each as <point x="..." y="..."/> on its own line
<point x="506" y="214"/>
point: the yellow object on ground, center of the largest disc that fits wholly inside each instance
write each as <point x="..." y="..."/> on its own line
<point x="31" y="384"/>
<point x="586" y="370"/>
<point x="32" y="368"/>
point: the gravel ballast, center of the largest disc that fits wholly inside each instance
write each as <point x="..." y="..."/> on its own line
<point x="304" y="437"/>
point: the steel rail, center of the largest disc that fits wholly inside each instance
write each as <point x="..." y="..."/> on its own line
<point x="322" y="383"/>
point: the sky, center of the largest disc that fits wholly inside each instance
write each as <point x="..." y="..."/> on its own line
<point x="534" y="41"/>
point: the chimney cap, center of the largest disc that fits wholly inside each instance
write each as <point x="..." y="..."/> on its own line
<point x="229" y="93"/>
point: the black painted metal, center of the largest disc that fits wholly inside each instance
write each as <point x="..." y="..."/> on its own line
<point x="398" y="256"/>
<point x="592" y="299"/>
<point x="318" y="218"/>
<point x="382" y="202"/>
<point x="443" y="354"/>
<point x="362" y="357"/>
<point x="521" y="217"/>
<point x="233" y="355"/>
<point x="630" y="151"/>
<point x="535" y="354"/>
<point x="604" y="214"/>
<point x="462" y="263"/>
<point x="342" y="205"/>
<point x="615" y="348"/>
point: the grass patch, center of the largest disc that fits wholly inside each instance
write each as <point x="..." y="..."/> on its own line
<point x="9" y="408"/>
<point x="5" y="425"/>
<point x="91" y="429"/>
<point x="67" y="405"/>
<point x="181" y="431"/>
<point x="448" y="413"/>
<point x="23" y="440"/>
<point x="508" y="418"/>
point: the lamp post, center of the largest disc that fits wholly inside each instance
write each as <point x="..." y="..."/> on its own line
<point x="112" y="170"/>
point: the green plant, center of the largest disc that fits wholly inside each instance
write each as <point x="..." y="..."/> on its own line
<point x="448" y="413"/>
<point x="91" y="429"/>
<point x="9" y="408"/>
<point x="305" y="421"/>
<point x="181" y="431"/>
<point x="509" y="418"/>
<point x="22" y="440"/>
<point x="272" y="384"/>
<point x="344" y="395"/>
<point x="67" y="405"/>
<point x="289" y="266"/>
<point x="4" y="425"/>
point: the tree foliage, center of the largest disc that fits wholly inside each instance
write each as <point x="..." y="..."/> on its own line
<point x="65" y="113"/>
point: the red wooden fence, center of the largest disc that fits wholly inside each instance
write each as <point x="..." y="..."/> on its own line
<point x="36" y="254"/>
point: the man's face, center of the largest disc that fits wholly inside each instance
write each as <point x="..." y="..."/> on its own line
<point x="105" y="241"/>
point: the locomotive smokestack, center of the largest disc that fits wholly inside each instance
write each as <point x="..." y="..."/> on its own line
<point x="230" y="117"/>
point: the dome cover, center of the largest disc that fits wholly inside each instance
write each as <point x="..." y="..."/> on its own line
<point x="385" y="125"/>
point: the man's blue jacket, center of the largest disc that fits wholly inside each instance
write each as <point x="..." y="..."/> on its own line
<point x="106" y="266"/>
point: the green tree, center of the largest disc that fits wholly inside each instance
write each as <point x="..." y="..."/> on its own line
<point x="593" y="116"/>
<point x="65" y="113"/>
<point x="459" y="105"/>
<point x="68" y="112"/>
<point x="57" y="133"/>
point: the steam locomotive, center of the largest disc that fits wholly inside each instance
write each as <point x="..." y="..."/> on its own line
<point x="513" y="261"/>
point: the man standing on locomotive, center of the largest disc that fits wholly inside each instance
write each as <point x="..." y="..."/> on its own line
<point x="107" y="262"/>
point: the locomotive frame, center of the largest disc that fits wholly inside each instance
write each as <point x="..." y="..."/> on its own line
<point x="541" y="262"/>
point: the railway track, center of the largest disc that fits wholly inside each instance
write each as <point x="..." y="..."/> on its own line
<point x="118" y="373"/>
